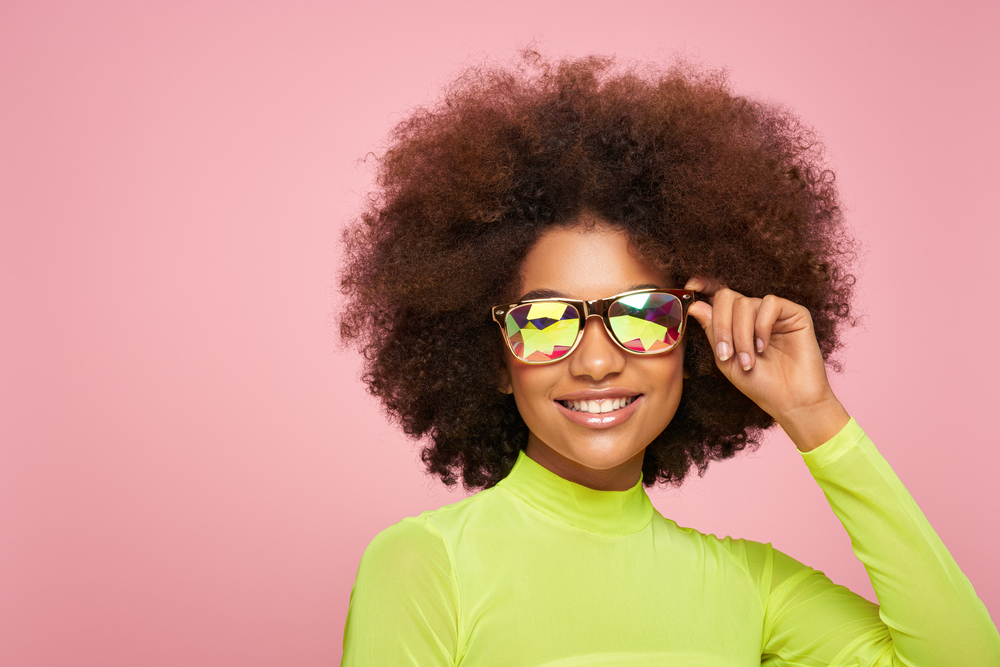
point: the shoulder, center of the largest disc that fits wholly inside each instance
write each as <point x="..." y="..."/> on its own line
<point x="418" y="540"/>
<point x="737" y="548"/>
<point x="403" y="545"/>
<point x="406" y="582"/>
<point x="760" y="562"/>
<point x="773" y="574"/>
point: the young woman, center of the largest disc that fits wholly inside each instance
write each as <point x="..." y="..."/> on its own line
<point x="576" y="281"/>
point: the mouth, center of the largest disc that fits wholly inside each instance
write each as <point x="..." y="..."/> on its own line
<point x="599" y="406"/>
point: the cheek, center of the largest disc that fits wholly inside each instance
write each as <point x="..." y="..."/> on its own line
<point x="678" y="369"/>
<point x="533" y="387"/>
<point x="671" y="387"/>
<point x="524" y="381"/>
<point x="529" y="383"/>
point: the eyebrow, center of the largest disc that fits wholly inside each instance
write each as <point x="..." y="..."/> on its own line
<point x="555" y="294"/>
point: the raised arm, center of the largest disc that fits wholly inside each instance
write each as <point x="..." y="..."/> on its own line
<point x="929" y="614"/>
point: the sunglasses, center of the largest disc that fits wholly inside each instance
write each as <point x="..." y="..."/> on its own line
<point x="648" y="321"/>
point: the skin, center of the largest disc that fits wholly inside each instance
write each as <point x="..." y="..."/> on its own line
<point x="766" y="347"/>
<point x="609" y="459"/>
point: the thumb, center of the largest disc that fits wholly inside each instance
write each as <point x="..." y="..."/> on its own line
<point x="702" y="312"/>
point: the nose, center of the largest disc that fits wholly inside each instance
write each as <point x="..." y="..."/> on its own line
<point x="597" y="356"/>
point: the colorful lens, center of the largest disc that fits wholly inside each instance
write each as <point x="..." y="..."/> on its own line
<point x="542" y="331"/>
<point x="647" y="323"/>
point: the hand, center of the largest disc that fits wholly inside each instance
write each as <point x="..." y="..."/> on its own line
<point x="768" y="349"/>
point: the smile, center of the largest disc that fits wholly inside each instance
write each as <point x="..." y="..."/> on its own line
<point x="599" y="406"/>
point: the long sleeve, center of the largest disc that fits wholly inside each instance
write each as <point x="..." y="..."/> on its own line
<point x="404" y="603"/>
<point x="540" y="571"/>
<point x="929" y="614"/>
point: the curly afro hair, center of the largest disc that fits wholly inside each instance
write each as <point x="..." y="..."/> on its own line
<point x="703" y="182"/>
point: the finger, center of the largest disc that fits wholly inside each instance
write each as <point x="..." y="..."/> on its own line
<point x="744" y="316"/>
<point x="701" y="311"/>
<point x="767" y="315"/>
<point x="707" y="286"/>
<point x="722" y="322"/>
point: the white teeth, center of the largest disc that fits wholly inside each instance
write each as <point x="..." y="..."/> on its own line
<point x="599" y="406"/>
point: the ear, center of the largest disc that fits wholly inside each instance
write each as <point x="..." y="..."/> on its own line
<point x="505" y="386"/>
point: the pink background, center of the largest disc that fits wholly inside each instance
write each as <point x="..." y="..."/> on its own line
<point x="189" y="469"/>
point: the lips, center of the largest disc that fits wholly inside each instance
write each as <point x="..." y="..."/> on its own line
<point x="599" y="413"/>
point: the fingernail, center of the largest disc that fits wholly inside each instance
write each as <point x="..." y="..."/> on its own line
<point x="724" y="351"/>
<point x="693" y="285"/>
<point x="745" y="361"/>
<point x="760" y="344"/>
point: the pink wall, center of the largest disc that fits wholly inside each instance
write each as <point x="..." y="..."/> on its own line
<point x="189" y="470"/>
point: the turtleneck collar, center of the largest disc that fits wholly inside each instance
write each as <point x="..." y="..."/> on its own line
<point x="608" y="513"/>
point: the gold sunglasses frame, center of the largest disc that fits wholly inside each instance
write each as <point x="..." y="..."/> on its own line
<point x="598" y="307"/>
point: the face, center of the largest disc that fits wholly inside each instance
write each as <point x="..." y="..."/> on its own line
<point x="601" y="450"/>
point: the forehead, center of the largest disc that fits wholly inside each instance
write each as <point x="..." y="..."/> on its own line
<point x="586" y="262"/>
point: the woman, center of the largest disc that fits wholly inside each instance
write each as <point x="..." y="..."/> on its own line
<point x="521" y="286"/>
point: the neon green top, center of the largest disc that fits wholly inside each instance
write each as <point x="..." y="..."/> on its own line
<point x="541" y="571"/>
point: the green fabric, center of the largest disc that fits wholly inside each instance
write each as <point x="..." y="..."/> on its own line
<point x="541" y="571"/>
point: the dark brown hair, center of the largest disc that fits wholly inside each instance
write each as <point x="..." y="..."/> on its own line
<point x="703" y="182"/>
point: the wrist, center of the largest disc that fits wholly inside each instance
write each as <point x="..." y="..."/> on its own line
<point x="811" y="426"/>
